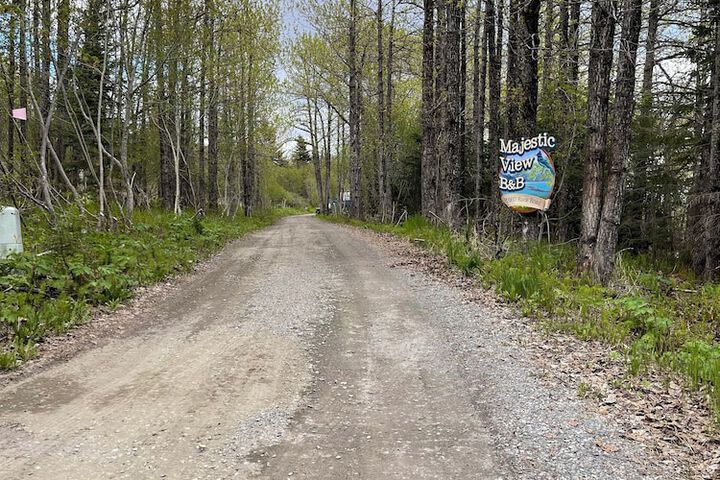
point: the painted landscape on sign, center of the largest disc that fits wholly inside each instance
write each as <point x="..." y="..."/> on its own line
<point x="530" y="173"/>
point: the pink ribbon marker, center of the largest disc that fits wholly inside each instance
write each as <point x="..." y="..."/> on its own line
<point x="20" y="113"/>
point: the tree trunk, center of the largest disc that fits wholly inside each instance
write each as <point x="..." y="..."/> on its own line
<point x="250" y="165"/>
<point x="427" y="169"/>
<point x="647" y="127"/>
<point x="22" y="53"/>
<point x="46" y="56"/>
<point x="382" y="166"/>
<point x="312" y="111"/>
<point x="356" y="205"/>
<point x="339" y="163"/>
<point x="495" y="46"/>
<point x="712" y="182"/>
<point x="328" y="144"/>
<point x="389" y="149"/>
<point x="564" y="34"/>
<point x="529" y="43"/>
<point x="172" y="119"/>
<point x="10" y="83"/>
<point x="165" y="189"/>
<point x="601" y="58"/>
<point x="43" y="24"/>
<point x="238" y="180"/>
<point x="462" y="167"/>
<point x="63" y="45"/>
<point x="163" y="119"/>
<point x="212" y="182"/>
<point x="99" y="137"/>
<point x="440" y="107"/>
<point x="230" y="200"/>
<point x="561" y="195"/>
<point x="127" y="65"/>
<point x="696" y="207"/>
<point x="177" y="155"/>
<point x="574" y="41"/>
<point x="649" y="65"/>
<point x="201" y="137"/>
<point x="451" y="148"/>
<point x="201" y="193"/>
<point x="604" y="261"/>
<point x="187" y="196"/>
<point x="35" y="47"/>
<point x="480" y="61"/>
<point x="548" y="56"/>
<point x="512" y="80"/>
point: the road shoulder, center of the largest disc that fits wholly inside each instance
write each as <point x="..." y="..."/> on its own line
<point x="671" y="426"/>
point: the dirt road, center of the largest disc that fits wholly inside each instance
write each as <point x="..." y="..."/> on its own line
<point x="298" y="352"/>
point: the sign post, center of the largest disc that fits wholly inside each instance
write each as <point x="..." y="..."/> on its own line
<point x="10" y="234"/>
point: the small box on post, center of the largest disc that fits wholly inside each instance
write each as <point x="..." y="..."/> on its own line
<point x="10" y="234"/>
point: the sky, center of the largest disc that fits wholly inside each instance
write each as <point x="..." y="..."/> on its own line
<point x="293" y="24"/>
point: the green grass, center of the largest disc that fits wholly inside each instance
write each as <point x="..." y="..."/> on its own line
<point x="655" y="314"/>
<point x="71" y="267"/>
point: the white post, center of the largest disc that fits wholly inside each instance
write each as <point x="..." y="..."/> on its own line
<point x="10" y="233"/>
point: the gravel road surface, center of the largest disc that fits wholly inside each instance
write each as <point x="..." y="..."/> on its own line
<point x="299" y="353"/>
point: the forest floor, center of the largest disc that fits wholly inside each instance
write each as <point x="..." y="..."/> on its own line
<point x="313" y="350"/>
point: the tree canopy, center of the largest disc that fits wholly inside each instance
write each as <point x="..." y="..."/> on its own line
<point x="187" y="104"/>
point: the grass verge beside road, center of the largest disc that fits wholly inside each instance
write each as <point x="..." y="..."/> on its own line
<point x="655" y="315"/>
<point x="69" y="268"/>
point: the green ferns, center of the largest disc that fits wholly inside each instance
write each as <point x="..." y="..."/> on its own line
<point x="531" y="277"/>
<point x="701" y="362"/>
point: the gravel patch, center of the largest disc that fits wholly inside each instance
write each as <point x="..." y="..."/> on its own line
<point x="542" y="429"/>
<point x="654" y="424"/>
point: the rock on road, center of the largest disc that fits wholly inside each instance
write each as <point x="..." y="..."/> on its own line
<point x="298" y="353"/>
